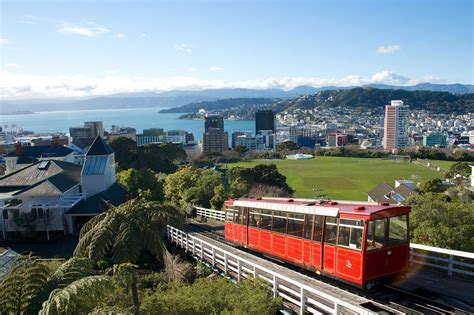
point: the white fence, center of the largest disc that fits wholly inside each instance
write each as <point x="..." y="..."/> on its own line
<point x="452" y="261"/>
<point x="211" y="214"/>
<point x="305" y="298"/>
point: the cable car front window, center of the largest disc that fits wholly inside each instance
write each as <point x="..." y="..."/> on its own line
<point x="376" y="234"/>
<point x="398" y="229"/>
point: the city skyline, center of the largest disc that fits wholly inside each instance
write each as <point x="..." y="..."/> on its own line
<point x="51" y="49"/>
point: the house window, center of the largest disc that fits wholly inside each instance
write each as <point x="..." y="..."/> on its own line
<point x="40" y="213"/>
<point x="5" y="214"/>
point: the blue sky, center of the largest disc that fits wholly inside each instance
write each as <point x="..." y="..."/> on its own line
<point x="75" y="48"/>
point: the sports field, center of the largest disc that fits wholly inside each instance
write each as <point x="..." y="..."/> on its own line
<point x="341" y="177"/>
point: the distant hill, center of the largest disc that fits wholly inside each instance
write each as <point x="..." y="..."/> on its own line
<point x="442" y="102"/>
<point x="178" y="98"/>
<point x="452" y="88"/>
<point x="220" y="104"/>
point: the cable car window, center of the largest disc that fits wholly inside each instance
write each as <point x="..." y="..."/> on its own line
<point x="295" y="224"/>
<point x="308" y="229"/>
<point x="318" y="228"/>
<point x="237" y="215"/>
<point x="254" y="217"/>
<point x="351" y="233"/>
<point x="398" y="229"/>
<point x="279" y="222"/>
<point x="376" y="234"/>
<point x="330" y="232"/>
<point x="244" y="216"/>
<point x="229" y="214"/>
<point x="266" y="219"/>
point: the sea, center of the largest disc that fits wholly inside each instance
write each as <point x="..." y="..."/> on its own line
<point x="138" y="118"/>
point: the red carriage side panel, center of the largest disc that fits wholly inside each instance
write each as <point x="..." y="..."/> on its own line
<point x="266" y="241"/>
<point x="317" y="255"/>
<point x="279" y="245"/>
<point x="349" y="265"/>
<point x="254" y="238"/>
<point x="295" y="249"/>
<point x="329" y="259"/>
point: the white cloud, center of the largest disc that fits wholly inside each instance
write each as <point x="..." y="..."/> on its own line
<point x="192" y="69"/>
<point x="119" y="36"/>
<point x="88" y="30"/>
<point x="3" y="40"/>
<point x="215" y="69"/>
<point x="389" y="77"/>
<point x="183" y="48"/>
<point x="143" y="35"/>
<point x="10" y="65"/>
<point x="17" y="85"/>
<point x="390" y="49"/>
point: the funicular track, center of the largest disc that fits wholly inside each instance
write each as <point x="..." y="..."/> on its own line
<point x="395" y="299"/>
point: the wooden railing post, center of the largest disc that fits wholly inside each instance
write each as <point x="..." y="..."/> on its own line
<point x="302" y="301"/>
<point x="275" y="286"/>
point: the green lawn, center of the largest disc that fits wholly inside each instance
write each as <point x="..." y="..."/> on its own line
<point x="443" y="164"/>
<point x="343" y="178"/>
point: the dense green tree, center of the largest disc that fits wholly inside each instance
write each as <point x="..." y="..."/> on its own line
<point x="212" y="296"/>
<point x="220" y="195"/>
<point x="191" y="186"/>
<point x="241" y="179"/>
<point x="286" y="146"/>
<point x="125" y="152"/>
<point x="436" y="222"/>
<point x="241" y="149"/>
<point x="459" y="169"/>
<point x="142" y="182"/>
<point x="262" y="190"/>
<point x="433" y="185"/>
<point x="124" y="232"/>
<point x="160" y="158"/>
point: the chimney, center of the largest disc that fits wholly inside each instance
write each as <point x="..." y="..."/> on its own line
<point x="18" y="149"/>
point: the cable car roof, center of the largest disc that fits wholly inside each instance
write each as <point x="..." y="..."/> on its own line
<point x="308" y="206"/>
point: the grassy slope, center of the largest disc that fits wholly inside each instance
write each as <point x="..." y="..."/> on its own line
<point x="343" y="178"/>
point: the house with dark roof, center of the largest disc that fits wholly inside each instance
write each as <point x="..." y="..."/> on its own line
<point x="55" y="196"/>
<point x="384" y="193"/>
<point x="27" y="155"/>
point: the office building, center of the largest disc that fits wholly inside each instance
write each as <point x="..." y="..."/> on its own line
<point x="215" y="140"/>
<point x="396" y="126"/>
<point x="436" y="139"/>
<point x="234" y="136"/>
<point x="90" y="130"/>
<point x="264" y="120"/>
<point x="213" y="121"/>
<point x="251" y="142"/>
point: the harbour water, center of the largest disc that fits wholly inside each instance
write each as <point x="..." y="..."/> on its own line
<point x="138" y="118"/>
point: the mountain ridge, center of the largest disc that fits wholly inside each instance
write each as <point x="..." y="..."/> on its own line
<point x="176" y="98"/>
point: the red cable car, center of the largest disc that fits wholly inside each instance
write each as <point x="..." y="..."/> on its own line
<point x="361" y="244"/>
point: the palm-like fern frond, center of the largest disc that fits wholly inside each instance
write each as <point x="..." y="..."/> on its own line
<point x="80" y="296"/>
<point x="123" y="232"/>
<point x="21" y="290"/>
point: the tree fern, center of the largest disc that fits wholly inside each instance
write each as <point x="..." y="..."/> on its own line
<point x="20" y="291"/>
<point x="124" y="232"/>
<point x="30" y="282"/>
<point x="80" y="296"/>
